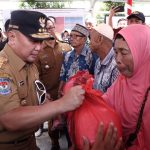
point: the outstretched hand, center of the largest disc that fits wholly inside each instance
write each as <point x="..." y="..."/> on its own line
<point x="107" y="142"/>
<point x="113" y="10"/>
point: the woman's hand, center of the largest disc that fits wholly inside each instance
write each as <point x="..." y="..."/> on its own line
<point x="107" y="142"/>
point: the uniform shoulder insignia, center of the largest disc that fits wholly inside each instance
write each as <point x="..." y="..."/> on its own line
<point x="3" y="60"/>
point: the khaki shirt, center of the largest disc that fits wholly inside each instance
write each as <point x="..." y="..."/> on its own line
<point x="49" y="64"/>
<point x="17" y="88"/>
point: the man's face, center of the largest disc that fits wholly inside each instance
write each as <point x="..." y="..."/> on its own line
<point x="77" y="39"/>
<point x="50" y="27"/>
<point x="24" y="47"/>
<point x="134" y="20"/>
<point x="89" y="25"/>
<point x="122" y="24"/>
<point x="94" y="40"/>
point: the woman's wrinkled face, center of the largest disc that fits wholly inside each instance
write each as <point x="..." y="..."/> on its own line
<point x="123" y="57"/>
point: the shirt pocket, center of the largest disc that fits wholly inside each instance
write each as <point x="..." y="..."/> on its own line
<point x="47" y="65"/>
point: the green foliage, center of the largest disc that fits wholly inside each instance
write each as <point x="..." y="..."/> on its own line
<point x="34" y="4"/>
<point x="109" y="4"/>
<point x="99" y="19"/>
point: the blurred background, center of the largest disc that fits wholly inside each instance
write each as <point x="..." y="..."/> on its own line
<point x="70" y="12"/>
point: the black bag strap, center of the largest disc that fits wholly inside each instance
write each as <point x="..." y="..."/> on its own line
<point x="133" y="135"/>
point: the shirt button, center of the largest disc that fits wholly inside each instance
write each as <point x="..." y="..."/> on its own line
<point x="23" y="102"/>
<point x="47" y="66"/>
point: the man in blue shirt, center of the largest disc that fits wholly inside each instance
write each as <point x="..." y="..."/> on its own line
<point x="80" y="57"/>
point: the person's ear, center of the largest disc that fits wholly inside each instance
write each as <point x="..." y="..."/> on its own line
<point x="11" y="34"/>
<point x="11" y="37"/>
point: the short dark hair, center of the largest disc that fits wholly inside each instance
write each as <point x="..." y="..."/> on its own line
<point x="118" y="36"/>
<point x="62" y="34"/>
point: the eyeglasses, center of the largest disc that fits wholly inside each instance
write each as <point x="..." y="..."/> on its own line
<point x="76" y="35"/>
<point x="40" y="89"/>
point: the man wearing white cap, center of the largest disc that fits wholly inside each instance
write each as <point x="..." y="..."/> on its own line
<point x="105" y="71"/>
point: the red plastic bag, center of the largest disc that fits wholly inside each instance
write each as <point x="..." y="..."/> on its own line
<point x="80" y="78"/>
<point x="85" y="120"/>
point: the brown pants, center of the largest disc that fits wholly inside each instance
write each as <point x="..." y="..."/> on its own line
<point x="29" y="144"/>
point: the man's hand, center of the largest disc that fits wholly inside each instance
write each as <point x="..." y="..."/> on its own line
<point x="73" y="98"/>
<point x="109" y="142"/>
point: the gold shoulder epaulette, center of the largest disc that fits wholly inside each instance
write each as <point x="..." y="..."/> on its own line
<point x="3" y="60"/>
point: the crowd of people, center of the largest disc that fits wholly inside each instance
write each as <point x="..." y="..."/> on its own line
<point x="35" y="65"/>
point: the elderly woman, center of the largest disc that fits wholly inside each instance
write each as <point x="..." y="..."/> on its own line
<point x="129" y="95"/>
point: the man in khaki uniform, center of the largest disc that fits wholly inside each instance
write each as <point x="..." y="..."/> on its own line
<point x="49" y="63"/>
<point x="20" y="89"/>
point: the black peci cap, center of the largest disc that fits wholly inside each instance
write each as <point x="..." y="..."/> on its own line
<point x="31" y="23"/>
<point x="137" y="14"/>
